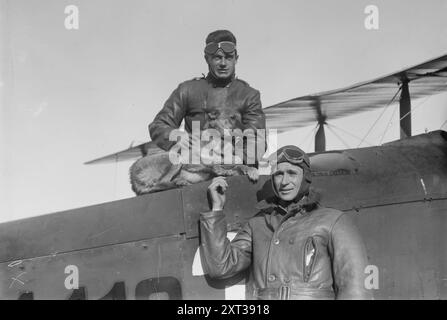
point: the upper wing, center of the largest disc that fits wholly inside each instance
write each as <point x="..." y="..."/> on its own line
<point x="140" y="150"/>
<point x="425" y="79"/>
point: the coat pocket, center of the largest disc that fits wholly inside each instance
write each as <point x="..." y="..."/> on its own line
<point x="309" y="257"/>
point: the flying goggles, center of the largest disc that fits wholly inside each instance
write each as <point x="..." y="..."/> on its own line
<point x="290" y="155"/>
<point x="226" y="46"/>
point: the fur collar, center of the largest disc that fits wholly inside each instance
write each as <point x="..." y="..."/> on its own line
<point x="307" y="203"/>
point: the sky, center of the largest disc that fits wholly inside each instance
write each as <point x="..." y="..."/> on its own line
<point x="69" y="96"/>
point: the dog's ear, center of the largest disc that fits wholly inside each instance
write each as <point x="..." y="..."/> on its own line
<point x="236" y="119"/>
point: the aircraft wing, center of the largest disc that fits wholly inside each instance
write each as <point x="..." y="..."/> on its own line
<point x="132" y="152"/>
<point x="425" y="79"/>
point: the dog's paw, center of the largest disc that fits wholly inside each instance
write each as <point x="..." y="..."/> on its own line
<point x="182" y="183"/>
<point x="219" y="171"/>
<point x="253" y="174"/>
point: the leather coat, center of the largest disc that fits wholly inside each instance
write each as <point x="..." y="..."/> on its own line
<point x="194" y="98"/>
<point x="291" y="253"/>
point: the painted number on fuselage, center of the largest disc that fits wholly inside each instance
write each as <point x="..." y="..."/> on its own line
<point x="147" y="289"/>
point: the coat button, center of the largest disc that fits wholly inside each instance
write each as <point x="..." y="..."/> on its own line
<point x="272" y="277"/>
<point x="291" y="241"/>
<point x="276" y="241"/>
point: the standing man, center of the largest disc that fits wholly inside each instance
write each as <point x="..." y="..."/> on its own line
<point x="294" y="248"/>
<point x="194" y="99"/>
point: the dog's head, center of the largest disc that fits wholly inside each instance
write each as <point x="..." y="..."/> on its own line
<point x="221" y="119"/>
<point x="224" y="121"/>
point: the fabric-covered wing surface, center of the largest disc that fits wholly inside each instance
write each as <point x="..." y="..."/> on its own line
<point x="425" y="79"/>
<point x="130" y="153"/>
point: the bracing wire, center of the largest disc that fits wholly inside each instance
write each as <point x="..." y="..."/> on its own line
<point x="350" y="134"/>
<point x="388" y="125"/>
<point x="335" y="134"/>
<point x="380" y="116"/>
<point x="307" y="135"/>
<point x="392" y="116"/>
<point x="413" y="109"/>
<point x="115" y="177"/>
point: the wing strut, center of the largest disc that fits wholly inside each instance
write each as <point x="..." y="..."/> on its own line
<point x="425" y="79"/>
<point x="405" y="110"/>
<point x="320" y="137"/>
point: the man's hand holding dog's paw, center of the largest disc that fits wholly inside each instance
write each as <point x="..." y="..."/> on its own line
<point x="216" y="191"/>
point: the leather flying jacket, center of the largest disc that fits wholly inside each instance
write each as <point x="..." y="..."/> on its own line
<point x="291" y="253"/>
<point x="194" y="98"/>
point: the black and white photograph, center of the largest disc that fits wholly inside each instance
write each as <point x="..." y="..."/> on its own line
<point x="223" y="150"/>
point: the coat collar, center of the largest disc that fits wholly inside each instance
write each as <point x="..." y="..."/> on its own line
<point x="220" y="83"/>
<point x="271" y="207"/>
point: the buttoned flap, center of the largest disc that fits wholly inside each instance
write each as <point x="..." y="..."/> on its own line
<point x="310" y="253"/>
<point x="317" y="267"/>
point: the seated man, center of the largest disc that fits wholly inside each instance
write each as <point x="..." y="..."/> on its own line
<point x="196" y="100"/>
<point x="294" y="248"/>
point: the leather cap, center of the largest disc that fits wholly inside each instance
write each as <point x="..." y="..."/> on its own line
<point x="282" y="155"/>
<point x="220" y="35"/>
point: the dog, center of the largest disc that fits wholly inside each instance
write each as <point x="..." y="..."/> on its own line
<point x="158" y="172"/>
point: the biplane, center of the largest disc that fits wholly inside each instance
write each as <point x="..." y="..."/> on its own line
<point x="146" y="247"/>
